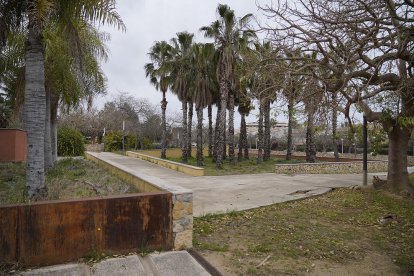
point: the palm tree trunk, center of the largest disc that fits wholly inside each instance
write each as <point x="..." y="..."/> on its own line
<point x="310" y="141"/>
<point x="190" y="125"/>
<point x="34" y="115"/>
<point x="241" y="137"/>
<point x="53" y="128"/>
<point x="334" y="126"/>
<point x="260" y="134"/>
<point x="225" y="136"/>
<point x="210" y="131"/>
<point x="244" y="142"/>
<point x="290" y="126"/>
<point x="48" y="137"/>
<point x="200" y="157"/>
<point x="266" y="142"/>
<point x="164" y="127"/>
<point x="184" y="145"/>
<point x="231" y="129"/>
<point x="216" y="133"/>
<point x="224" y="91"/>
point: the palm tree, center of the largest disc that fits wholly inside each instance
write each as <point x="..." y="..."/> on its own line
<point x="226" y="31"/>
<point x="39" y="14"/>
<point x="311" y="100"/>
<point x="73" y="73"/>
<point x="182" y="77"/>
<point x="204" y="81"/>
<point x="160" y="54"/>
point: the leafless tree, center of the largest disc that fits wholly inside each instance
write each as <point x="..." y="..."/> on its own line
<point x="366" y="51"/>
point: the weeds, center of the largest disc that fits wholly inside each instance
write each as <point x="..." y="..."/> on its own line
<point x="70" y="178"/>
<point x="339" y="227"/>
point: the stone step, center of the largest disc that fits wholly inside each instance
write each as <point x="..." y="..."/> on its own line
<point x="173" y="263"/>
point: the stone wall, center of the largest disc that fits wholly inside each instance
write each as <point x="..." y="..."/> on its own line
<point x="182" y="198"/>
<point x="184" y="168"/>
<point x="183" y="220"/>
<point x="330" y="167"/>
<point x="94" y="147"/>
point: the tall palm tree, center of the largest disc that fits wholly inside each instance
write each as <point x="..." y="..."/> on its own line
<point x="160" y="54"/>
<point x="39" y="14"/>
<point x="182" y="77"/>
<point x="204" y="81"/>
<point x="226" y="32"/>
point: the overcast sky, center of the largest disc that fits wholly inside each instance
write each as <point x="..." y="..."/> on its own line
<point x="154" y="20"/>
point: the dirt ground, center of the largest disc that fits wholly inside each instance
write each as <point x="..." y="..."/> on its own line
<point x="344" y="232"/>
<point x="374" y="263"/>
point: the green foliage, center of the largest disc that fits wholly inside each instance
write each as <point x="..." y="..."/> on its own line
<point x="113" y="141"/>
<point x="148" y="143"/>
<point x="70" y="142"/>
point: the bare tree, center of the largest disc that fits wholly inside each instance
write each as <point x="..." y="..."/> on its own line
<point x="366" y="50"/>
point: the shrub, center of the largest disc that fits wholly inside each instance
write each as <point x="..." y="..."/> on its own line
<point x="147" y="143"/>
<point x="70" y="142"/>
<point x="113" y="141"/>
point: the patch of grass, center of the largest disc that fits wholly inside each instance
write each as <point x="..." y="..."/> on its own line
<point x="338" y="227"/>
<point x="70" y="178"/>
<point x="243" y="167"/>
<point x="212" y="246"/>
<point x="12" y="182"/>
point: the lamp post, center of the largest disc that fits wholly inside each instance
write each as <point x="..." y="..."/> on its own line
<point x="123" y="135"/>
<point x="365" y="154"/>
<point x="342" y="145"/>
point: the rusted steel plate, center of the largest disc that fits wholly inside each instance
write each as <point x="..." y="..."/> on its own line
<point x="53" y="232"/>
<point x="8" y="233"/>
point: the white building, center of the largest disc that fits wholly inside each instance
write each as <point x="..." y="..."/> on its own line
<point x="277" y="130"/>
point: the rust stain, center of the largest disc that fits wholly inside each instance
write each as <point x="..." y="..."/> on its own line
<point x="46" y="233"/>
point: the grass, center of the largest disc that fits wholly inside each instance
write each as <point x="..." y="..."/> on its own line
<point x="70" y="178"/>
<point x="244" y="167"/>
<point x="337" y="228"/>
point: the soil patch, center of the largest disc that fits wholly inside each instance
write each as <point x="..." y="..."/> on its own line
<point x="344" y="232"/>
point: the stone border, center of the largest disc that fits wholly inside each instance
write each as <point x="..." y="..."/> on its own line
<point x="182" y="198"/>
<point x="187" y="169"/>
<point x="330" y="167"/>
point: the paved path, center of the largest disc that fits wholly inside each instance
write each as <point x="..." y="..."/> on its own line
<point x="217" y="194"/>
<point x="174" y="263"/>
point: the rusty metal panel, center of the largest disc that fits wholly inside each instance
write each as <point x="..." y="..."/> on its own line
<point x="53" y="232"/>
<point x="50" y="233"/>
<point x="8" y="233"/>
<point x="138" y="225"/>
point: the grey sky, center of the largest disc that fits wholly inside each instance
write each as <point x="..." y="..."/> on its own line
<point x="153" y="20"/>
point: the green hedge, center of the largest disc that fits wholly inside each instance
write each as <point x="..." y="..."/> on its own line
<point x="113" y="141"/>
<point x="70" y="142"/>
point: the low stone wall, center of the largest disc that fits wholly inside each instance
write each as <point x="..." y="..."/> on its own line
<point x="330" y="167"/>
<point x="187" y="169"/>
<point x="94" y="147"/>
<point x="182" y="199"/>
<point x="410" y="159"/>
<point x="54" y="232"/>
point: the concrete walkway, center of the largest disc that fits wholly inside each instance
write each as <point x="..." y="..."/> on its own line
<point x="175" y="263"/>
<point x="218" y="194"/>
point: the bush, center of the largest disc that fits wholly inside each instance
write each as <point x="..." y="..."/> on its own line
<point x="70" y="142"/>
<point x="113" y="141"/>
<point x="147" y="143"/>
